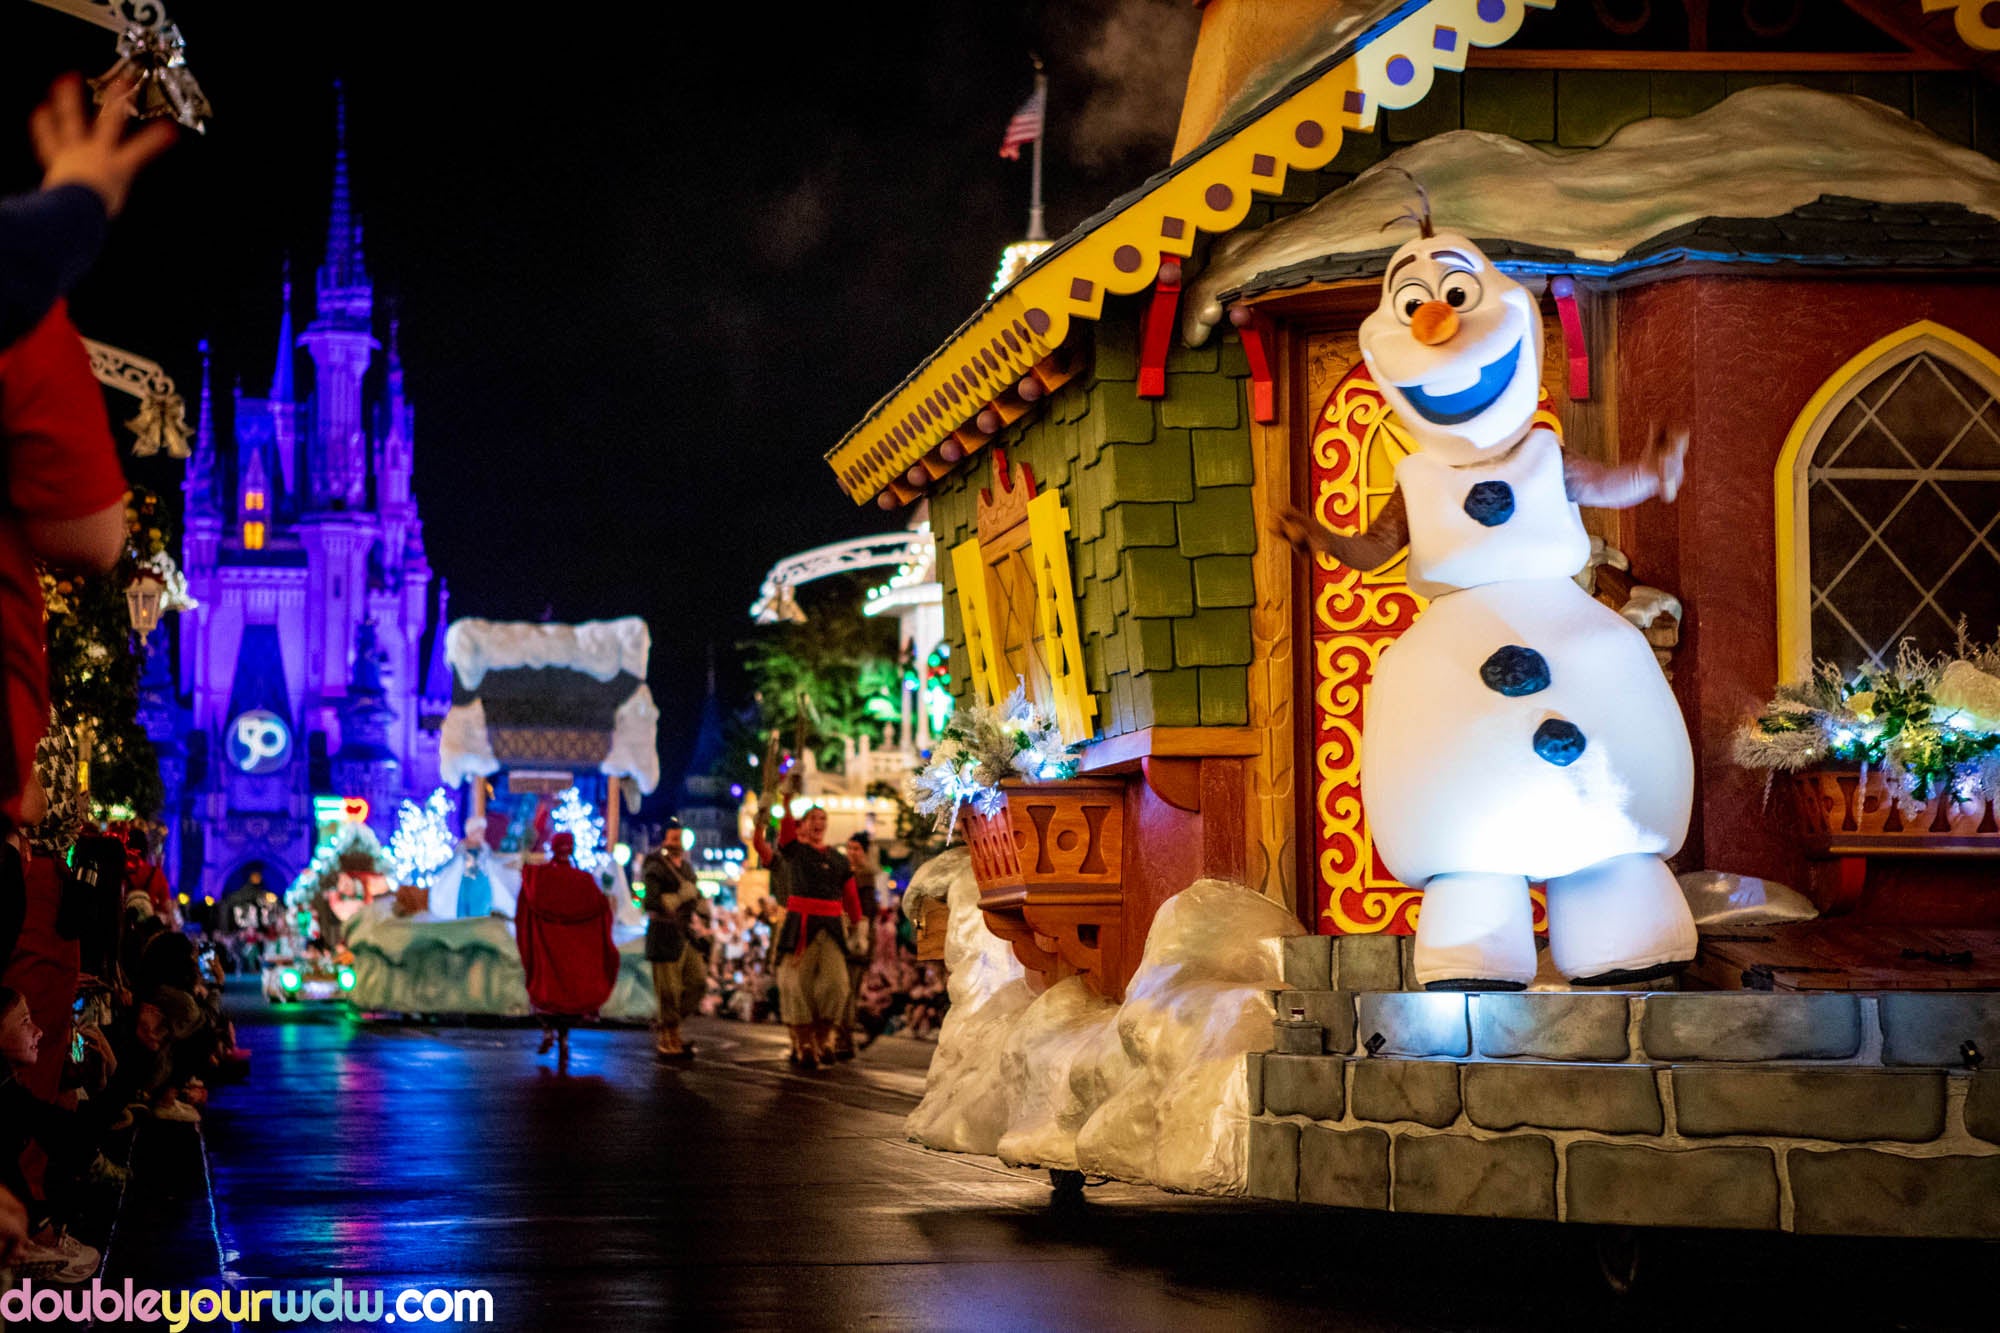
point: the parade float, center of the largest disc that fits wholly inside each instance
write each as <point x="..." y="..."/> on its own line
<point x="1201" y="961"/>
<point x="552" y="729"/>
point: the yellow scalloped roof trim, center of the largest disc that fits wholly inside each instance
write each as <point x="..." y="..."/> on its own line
<point x="1211" y="192"/>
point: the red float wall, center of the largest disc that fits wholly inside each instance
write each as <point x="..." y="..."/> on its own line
<point x="1735" y="359"/>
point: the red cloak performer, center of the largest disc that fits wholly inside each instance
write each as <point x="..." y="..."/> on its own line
<point x="562" y="925"/>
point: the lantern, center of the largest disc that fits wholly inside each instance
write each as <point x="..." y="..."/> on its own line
<point x="142" y="600"/>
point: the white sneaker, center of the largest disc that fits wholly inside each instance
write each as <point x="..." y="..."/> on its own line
<point x="179" y="1112"/>
<point x="66" y="1260"/>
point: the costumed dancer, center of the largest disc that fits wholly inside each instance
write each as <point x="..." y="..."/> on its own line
<point x="860" y="941"/>
<point x="816" y="887"/>
<point x="679" y="928"/>
<point x="563" y="928"/>
<point x="1519" y="730"/>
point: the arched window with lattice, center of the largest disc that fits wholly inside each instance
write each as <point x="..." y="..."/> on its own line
<point x="1889" y="505"/>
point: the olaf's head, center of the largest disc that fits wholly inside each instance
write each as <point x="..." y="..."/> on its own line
<point x="1456" y="347"/>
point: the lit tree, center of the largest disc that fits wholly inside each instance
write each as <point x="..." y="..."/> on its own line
<point x="576" y="817"/>
<point x="423" y="842"/>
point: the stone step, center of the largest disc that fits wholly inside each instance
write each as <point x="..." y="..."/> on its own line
<point x="1935" y="1030"/>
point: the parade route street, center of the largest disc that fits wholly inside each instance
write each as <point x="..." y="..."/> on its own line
<point x="735" y="1193"/>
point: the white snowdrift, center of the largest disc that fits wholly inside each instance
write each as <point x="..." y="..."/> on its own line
<point x="635" y="741"/>
<point x="1152" y="1091"/>
<point x="598" y="648"/>
<point x="1758" y="154"/>
<point x="465" y="748"/>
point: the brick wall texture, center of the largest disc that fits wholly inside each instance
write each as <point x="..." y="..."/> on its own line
<point x="1829" y="1114"/>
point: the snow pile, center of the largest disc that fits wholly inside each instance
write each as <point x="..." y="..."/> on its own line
<point x="963" y="1109"/>
<point x="1758" y="154"/>
<point x="635" y="742"/>
<point x="465" y="748"/>
<point x="933" y="880"/>
<point x="1151" y="1091"/>
<point x="598" y="648"/>
<point x="1718" y="898"/>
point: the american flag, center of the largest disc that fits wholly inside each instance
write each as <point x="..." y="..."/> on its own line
<point x="1026" y="126"/>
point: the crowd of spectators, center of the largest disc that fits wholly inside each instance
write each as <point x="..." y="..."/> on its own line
<point x="104" y="1014"/>
<point x="898" y="995"/>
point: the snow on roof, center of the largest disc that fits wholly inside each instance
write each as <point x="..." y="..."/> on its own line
<point x="1760" y="153"/>
<point x="600" y="649"/>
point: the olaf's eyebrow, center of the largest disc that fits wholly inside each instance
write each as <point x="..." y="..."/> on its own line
<point x="1398" y="266"/>
<point x="1454" y="254"/>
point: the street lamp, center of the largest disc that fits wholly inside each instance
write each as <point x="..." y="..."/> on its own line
<point x="143" y="596"/>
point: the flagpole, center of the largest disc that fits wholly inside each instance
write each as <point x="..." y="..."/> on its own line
<point x="1035" y="230"/>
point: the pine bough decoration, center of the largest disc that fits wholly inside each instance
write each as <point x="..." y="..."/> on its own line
<point x="1931" y="725"/>
<point x="983" y="746"/>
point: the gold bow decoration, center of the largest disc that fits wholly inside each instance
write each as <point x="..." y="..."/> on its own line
<point x="161" y="425"/>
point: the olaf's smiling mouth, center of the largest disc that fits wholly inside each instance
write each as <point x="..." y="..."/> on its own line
<point x="1449" y="409"/>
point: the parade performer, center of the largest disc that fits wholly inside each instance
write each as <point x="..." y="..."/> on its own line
<point x="679" y="927"/>
<point x="860" y="941"/>
<point x="563" y="928"/>
<point x="1519" y="730"/>
<point x="816" y="886"/>
<point x="475" y="884"/>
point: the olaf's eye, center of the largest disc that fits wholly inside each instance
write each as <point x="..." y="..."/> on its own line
<point x="1408" y="297"/>
<point x="1460" y="291"/>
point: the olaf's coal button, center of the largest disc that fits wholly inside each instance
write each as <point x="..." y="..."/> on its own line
<point x="1490" y="503"/>
<point x="1515" y="671"/>
<point x="1559" y="742"/>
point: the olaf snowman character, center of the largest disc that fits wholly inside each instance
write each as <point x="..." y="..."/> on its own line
<point x="1519" y="730"/>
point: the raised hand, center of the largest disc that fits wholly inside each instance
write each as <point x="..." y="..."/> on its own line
<point x="1666" y="460"/>
<point x="1300" y="529"/>
<point x="75" y="150"/>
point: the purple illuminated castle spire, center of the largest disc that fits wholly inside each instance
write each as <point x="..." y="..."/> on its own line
<point x="308" y="664"/>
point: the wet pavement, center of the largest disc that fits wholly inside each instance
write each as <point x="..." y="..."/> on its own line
<point x="738" y="1194"/>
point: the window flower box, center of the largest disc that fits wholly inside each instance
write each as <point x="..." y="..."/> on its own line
<point x="1049" y="862"/>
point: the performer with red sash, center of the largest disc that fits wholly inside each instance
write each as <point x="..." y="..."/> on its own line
<point x="816" y="886"/>
<point x="562" y="926"/>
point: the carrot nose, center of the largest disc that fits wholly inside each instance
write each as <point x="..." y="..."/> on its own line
<point x="1434" y="323"/>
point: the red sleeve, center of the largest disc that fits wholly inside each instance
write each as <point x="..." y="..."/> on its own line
<point x="61" y="463"/>
<point x="611" y="959"/>
<point x="524" y="909"/>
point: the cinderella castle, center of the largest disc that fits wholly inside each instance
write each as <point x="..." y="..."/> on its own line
<point x="315" y="667"/>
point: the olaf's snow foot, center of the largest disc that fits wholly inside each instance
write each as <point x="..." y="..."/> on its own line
<point x="1475" y="932"/>
<point x="1620" y="922"/>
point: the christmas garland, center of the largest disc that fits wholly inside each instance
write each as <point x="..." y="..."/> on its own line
<point x="1930" y="725"/>
<point x="95" y="661"/>
<point x="982" y="747"/>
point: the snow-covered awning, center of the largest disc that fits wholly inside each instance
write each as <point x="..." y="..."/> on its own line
<point x="1384" y="59"/>
<point x="566" y="696"/>
<point x="1761" y="153"/>
<point x="598" y="648"/>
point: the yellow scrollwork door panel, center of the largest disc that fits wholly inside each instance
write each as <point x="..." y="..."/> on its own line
<point x="1355" y="445"/>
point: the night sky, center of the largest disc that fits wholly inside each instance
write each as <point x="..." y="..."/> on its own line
<point x="652" y="261"/>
